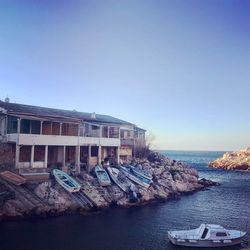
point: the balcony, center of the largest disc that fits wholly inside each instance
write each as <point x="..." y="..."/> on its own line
<point x="127" y="142"/>
<point x="61" y="140"/>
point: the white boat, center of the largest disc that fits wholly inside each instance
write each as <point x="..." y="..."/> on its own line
<point x="66" y="181"/>
<point x="136" y="178"/>
<point x="142" y="172"/>
<point x="207" y="235"/>
<point x="102" y="176"/>
<point x="120" y="179"/>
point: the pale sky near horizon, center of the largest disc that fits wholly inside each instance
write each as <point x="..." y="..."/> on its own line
<point x="180" y="69"/>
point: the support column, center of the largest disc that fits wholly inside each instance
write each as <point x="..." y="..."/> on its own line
<point x="118" y="155"/>
<point x="17" y="155"/>
<point x="108" y="131"/>
<point x="46" y="157"/>
<point x="89" y="156"/>
<point x="41" y="127"/>
<point x="60" y="133"/>
<point x="99" y="154"/>
<point x="18" y="125"/>
<point x="6" y="125"/>
<point x="78" y="168"/>
<point x="30" y="126"/>
<point x="17" y="143"/>
<point x="51" y="128"/>
<point x="32" y="155"/>
<point x="100" y="134"/>
<point x="64" y="156"/>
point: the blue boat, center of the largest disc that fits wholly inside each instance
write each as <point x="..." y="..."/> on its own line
<point x="66" y="181"/>
<point x="120" y="179"/>
<point x="144" y="182"/>
<point x="142" y="172"/>
<point x="102" y="176"/>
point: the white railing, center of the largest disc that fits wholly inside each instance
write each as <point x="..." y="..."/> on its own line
<point x="61" y="140"/>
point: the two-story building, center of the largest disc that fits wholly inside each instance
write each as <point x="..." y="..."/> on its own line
<point x="38" y="137"/>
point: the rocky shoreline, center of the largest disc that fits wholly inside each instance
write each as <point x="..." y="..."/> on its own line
<point x="239" y="160"/>
<point x="170" y="180"/>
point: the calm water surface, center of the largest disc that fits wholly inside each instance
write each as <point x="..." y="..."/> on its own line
<point x="141" y="227"/>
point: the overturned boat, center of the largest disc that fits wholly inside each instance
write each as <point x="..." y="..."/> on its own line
<point x="136" y="178"/>
<point x="66" y="181"/>
<point x="102" y="176"/>
<point x="13" y="178"/>
<point x="120" y="179"/>
<point x="138" y="170"/>
<point x="207" y="235"/>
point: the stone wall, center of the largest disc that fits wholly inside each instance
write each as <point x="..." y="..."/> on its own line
<point x="7" y="154"/>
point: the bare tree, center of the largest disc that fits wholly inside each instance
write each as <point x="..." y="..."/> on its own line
<point x="142" y="151"/>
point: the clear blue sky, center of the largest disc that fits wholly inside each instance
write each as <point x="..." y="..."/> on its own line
<point x="180" y="69"/>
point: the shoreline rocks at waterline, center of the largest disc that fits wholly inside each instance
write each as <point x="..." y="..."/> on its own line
<point x="170" y="180"/>
<point x="238" y="160"/>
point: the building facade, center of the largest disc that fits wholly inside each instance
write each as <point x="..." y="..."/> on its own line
<point x="38" y="137"/>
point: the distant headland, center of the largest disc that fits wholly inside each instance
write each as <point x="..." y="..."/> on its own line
<point x="238" y="160"/>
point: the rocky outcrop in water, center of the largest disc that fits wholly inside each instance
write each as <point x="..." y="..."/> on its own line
<point x="170" y="180"/>
<point x="233" y="161"/>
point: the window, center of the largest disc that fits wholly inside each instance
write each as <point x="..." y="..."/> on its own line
<point x="94" y="151"/>
<point x="11" y="125"/>
<point x="35" y="127"/>
<point x="114" y="132"/>
<point x="105" y="132"/>
<point x="204" y="233"/>
<point x="25" y="126"/>
<point x="55" y="128"/>
<point x="221" y="234"/>
<point x="47" y="128"/>
<point x="94" y="127"/>
<point x="122" y="133"/>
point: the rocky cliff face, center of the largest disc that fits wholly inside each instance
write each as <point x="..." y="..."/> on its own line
<point x="170" y="179"/>
<point x="233" y="161"/>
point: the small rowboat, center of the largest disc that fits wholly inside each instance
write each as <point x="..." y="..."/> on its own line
<point x="102" y="176"/>
<point x="13" y="178"/>
<point x="136" y="178"/>
<point x="207" y="235"/>
<point x="66" y="181"/>
<point x="141" y="172"/>
<point x="120" y="179"/>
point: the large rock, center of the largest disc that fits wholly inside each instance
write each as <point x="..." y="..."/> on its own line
<point x="233" y="161"/>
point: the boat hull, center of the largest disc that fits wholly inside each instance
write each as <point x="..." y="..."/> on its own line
<point x="135" y="179"/>
<point x="204" y="243"/>
<point x="13" y="178"/>
<point x="68" y="182"/>
<point x="141" y="173"/>
<point x="102" y="176"/>
<point x="121" y="185"/>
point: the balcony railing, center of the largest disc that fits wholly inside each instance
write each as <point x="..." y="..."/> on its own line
<point x="127" y="141"/>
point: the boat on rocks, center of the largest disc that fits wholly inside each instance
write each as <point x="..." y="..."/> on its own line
<point x="120" y="179"/>
<point x="207" y="235"/>
<point x="66" y="181"/>
<point x="102" y="176"/>
<point x="136" y="178"/>
<point x="13" y="178"/>
<point x="138" y="170"/>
